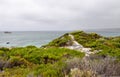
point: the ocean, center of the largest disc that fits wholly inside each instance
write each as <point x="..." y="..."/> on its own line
<point x="39" y="38"/>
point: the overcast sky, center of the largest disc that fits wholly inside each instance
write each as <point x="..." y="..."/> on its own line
<point x="59" y="14"/>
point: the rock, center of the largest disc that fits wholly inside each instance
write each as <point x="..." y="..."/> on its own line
<point x="8" y="43"/>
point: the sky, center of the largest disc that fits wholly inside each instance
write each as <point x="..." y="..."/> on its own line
<point x="40" y="15"/>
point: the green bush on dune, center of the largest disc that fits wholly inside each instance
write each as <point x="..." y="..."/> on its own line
<point x="107" y="45"/>
<point x="59" y="42"/>
<point x="41" y="61"/>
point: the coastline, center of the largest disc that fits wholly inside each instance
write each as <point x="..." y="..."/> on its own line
<point x="16" y="39"/>
<point x="70" y="54"/>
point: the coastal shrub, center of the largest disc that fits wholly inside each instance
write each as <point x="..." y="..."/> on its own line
<point x="46" y="71"/>
<point x="86" y="39"/>
<point x="107" y="45"/>
<point x="83" y="37"/>
<point x="15" y="72"/>
<point x="52" y="55"/>
<point x="1" y="53"/>
<point x="80" y="73"/>
<point x="16" y="61"/>
<point x="59" y="42"/>
<point x="99" y="66"/>
<point x="2" y="62"/>
<point x="31" y="46"/>
<point x="41" y="55"/>
<point x="111" y="52"/>
<point x="4" y="49"/>
<point x="50" y="70"/>
<point x="45" y="61"/>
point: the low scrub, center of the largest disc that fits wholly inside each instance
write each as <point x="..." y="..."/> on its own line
<point x="93" y="67"/>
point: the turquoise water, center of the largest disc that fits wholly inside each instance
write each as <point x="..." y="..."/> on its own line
<point x="27" y="38"/>
<point x="38" y="38"/>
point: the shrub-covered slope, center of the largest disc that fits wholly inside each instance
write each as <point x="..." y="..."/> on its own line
<point x="81" y="37"/>
<point x="33" y="62"/>
<point x="107" y="45"/>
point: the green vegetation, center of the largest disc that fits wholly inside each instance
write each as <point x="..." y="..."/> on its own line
<point x="85" y="38"/>
<point x="107" y="45"/>
<point x="35" y="61"/>
<point x="53" y="60"/>
<point x="59" y="42"/>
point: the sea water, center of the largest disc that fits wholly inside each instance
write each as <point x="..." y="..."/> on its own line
<point x="39" y="38"/>
<point x="25" y="38"/>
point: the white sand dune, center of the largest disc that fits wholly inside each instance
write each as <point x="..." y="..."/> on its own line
<point x="79" y="47"/>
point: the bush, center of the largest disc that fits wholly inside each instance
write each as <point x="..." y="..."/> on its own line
<point x="16" y="61"/>
<point x="99" y="66"/>
<point x="50" y="70"/>
<point x="4" y="49"/>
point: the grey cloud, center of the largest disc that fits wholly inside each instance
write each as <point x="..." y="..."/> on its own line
<point x="59" y="14"/>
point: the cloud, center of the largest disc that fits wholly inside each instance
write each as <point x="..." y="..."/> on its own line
<point x="59" y="14"/>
